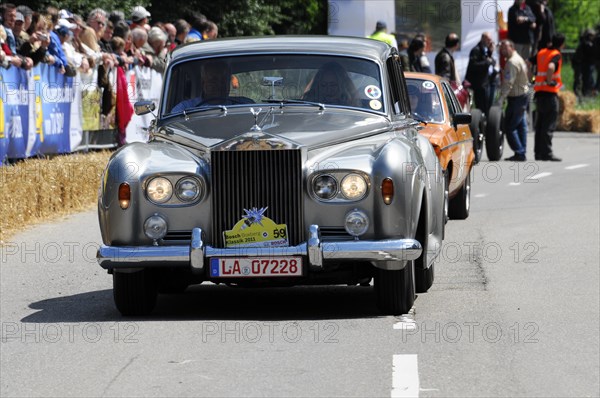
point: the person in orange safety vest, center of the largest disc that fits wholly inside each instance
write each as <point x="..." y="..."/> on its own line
<point x="548" y="82"/>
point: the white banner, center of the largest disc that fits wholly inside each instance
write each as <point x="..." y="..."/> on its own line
<point x="144" y="84"/>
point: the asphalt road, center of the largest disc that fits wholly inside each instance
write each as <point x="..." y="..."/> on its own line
<point x="514" y="311"/>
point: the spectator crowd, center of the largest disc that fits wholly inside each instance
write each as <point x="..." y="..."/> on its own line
<point x="74" y="44"/>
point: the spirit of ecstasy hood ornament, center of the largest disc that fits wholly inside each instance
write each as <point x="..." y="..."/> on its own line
<point x="255" y="113"/>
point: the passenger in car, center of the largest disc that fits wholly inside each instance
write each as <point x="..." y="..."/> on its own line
<point x="215" y="86"/>
<point x="331" y="85"/>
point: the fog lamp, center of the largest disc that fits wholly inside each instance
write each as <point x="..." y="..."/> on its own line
<point x="155" y="227"/>
<point x="357" y="222"/>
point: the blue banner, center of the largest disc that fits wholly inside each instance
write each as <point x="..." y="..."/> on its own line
<point x="51" y="111"/>
<point x="14" y="110"/>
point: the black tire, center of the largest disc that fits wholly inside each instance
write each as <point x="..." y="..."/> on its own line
<point x="135" y="293"/>
<point x="461" y="203"/>
<point x="395" y="290"/>
<point x="477" y="122"/>
<point x="494" y="137"/>
<point x="424" y="279"/>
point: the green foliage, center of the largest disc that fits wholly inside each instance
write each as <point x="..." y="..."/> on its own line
<point x="573" y="16"/>
<point x="233" y="17"/>
<point x="251" y="17"/>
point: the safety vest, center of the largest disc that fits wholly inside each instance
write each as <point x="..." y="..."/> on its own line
<point x="382" y="36"/>
<point x="544" y="57"/>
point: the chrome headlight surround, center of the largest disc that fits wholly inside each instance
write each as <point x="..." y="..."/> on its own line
<point x="357" y="186"/>
<point x="189" y="189"/>
<point x="325" y="186"/>
<point x="354" y="186"/>
<point x="159" y="190"/>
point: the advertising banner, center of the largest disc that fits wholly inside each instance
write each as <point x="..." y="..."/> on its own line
<point x="15" y="112"/>
<point x="54" y="95"/>
<point x="144" y="84"/>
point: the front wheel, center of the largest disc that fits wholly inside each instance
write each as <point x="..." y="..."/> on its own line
<point x="494" y="137"/>
<point x="134" y="292"/>
<point x="461" y="203"/>
<point x="424" y="278"/>
<point x="395" y="290"/>
<point x="477" y="128"/>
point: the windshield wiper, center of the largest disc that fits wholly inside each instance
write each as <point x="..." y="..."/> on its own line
<point x="292" y="101"/>
<point x="418" y="119"/>
<point x="202" y="108"/>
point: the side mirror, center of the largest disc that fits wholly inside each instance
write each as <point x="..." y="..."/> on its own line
<point x="462" y="118"/>
<point x="143" y="107"/>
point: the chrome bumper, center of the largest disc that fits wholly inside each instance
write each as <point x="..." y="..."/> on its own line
<point x="317" y="252"/>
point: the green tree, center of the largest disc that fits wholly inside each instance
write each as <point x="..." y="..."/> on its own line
<point x="573" y="16"/>
<point x="233" y="17"/>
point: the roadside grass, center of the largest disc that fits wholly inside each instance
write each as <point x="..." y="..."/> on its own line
<point x="583" y="103"/>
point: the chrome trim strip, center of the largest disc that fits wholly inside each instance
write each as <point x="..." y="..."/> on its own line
<point x="455" y="144"/>
<point x="149" y="256"/>
<point x="194" y="256"/>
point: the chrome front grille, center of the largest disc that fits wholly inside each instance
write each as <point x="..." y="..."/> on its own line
<point x="245" y="179"/>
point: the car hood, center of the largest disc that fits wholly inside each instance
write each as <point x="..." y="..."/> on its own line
<point x="281" y="128"/>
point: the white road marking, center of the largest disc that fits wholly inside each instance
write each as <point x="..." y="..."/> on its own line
<point x="514" y="184"/>
<point x="405" y="323"/>
<point x="538" y="176"/>
<point x="577" y="166"/>
<point x="405" y="376"/>
<point x="481" y="195"/>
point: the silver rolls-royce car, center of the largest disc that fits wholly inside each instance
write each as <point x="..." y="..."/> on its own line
<point x="275" y="161"/>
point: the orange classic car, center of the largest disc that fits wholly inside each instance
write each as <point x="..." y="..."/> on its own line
<point x="444" y="123"/>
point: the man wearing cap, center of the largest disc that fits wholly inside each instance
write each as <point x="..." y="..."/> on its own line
<point x="18" y="29"/>
<point x="139" y="17"/>
<point x="27" y="15"/>
<point x="382" y="35"/>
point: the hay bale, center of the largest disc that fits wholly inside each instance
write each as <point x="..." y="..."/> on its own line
<point x="37" y="190"/>
<point x="571" y="119"/>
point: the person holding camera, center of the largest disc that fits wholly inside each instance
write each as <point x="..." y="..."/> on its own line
<point x="36" y="47"/>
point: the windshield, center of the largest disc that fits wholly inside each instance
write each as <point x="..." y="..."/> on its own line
<point x="425" y="101"/>
<point x="256" y="79"/>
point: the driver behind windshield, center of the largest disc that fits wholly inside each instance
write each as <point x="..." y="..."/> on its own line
<point x="331" y="85"/>
<point x="215" y="86"/>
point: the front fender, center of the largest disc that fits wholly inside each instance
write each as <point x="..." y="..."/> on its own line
<point x="134" y="164"/>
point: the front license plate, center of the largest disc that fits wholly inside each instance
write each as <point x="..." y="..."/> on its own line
<point x="245" y="267"/>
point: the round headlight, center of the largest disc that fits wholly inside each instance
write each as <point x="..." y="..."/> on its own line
<point x="155" y="227"/>
<point x="354" y="186"/>
<point x="159" y="190"/>
<point x="188" y="189"/>
<point x="325" y="187"/>
<point x="357" y="222"/>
